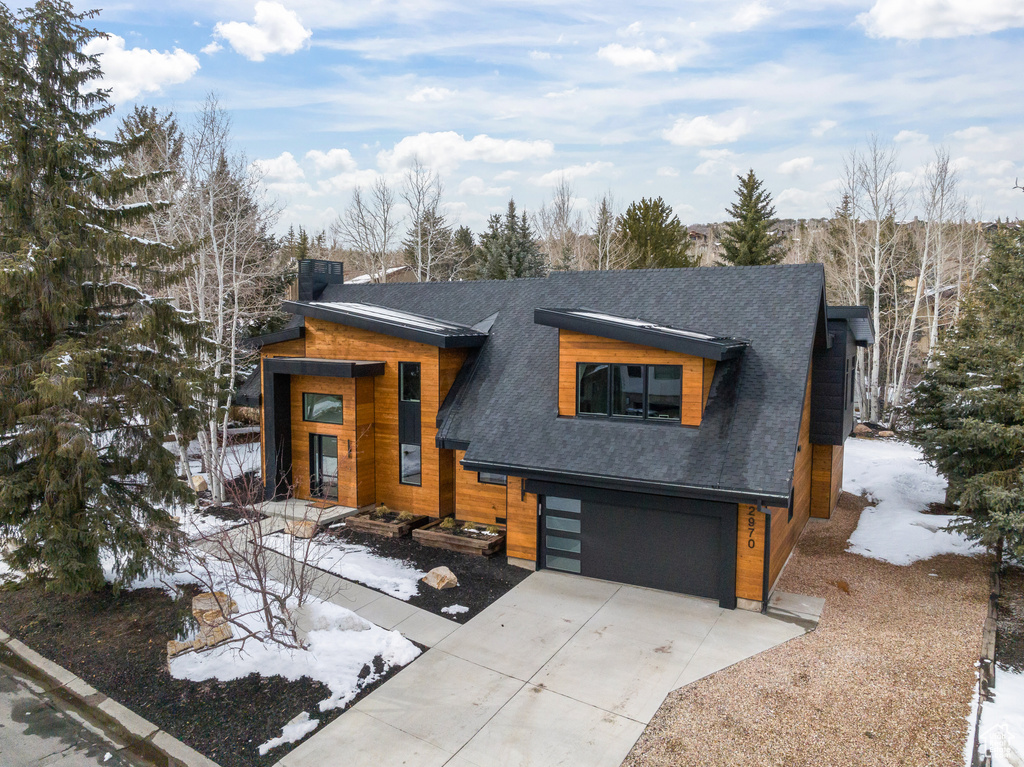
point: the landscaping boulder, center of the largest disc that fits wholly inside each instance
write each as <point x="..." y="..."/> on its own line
<point x="300" y="528"/>
<point x="862" y="430"/>
<point x="208" y="606"/>
<point x="440" y="578"/>
<point x="176" y="648"/>
<point x="886" y="433"/>
<point x="199" y="484"/>
<point x="211" y="636"/>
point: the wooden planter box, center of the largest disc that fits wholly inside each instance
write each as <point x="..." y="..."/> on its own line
<point x="433" y="535"/>
<point x="363" y="523"/>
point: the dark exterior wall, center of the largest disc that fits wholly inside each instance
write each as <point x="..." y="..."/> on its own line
<point x="831" y="405"/>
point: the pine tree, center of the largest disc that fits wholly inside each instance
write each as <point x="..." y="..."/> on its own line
<point x="92" y="372"/>
<point x="749" y="240"/>
<point x="652" y="237"/>
<point x="508" y="248"/>
<point x="967" y="414"/>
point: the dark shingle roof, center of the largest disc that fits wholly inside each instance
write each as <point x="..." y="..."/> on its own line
<point x="507" y="411"/>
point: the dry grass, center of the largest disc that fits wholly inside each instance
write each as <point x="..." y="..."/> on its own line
<point x="885" y="679"/>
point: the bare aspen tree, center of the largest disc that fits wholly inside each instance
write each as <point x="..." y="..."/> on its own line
<point x="606" y="250"/>
<point x="429" y="242"/>
<point x="560" y="229"/>
<point x="369" y="227"/>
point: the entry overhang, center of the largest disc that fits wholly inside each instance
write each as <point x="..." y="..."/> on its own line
<point x="310" y="366"/>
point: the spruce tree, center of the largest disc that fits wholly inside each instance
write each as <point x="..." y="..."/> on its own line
<point x="749" y="239"/>
<point x="967" y="414"/>
<point x="652" y="237"/>
<point x="508" y="249"/>
<point x="92" y="372"/>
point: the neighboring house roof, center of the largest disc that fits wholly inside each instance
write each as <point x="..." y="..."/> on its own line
<point x="248" y="394"/>
<point x="504" y="409"/>
<point x="394" y="271"/>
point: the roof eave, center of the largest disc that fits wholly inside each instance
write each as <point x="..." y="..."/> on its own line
<point x="288" y="334"/>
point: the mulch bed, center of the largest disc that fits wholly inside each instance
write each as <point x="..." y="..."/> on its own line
<point x="1010" y="622"/>
<point x="885" y="679"/>
<point x="117" y="643"/>
<point x="481" y="579"/>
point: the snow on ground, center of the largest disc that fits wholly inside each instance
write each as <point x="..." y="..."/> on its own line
<point x="353" y="562"/>
<point x="895" y="530"/>
<point x="1002" y="720"/>
<point x="296" y="729"/>
<point x="339" y="645"/>
<point x="198" y="524"/>
<point x="168" y="581"/>
<point x="455" y="609"/>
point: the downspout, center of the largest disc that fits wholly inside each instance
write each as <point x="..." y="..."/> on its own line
<point x="767" y="557"/>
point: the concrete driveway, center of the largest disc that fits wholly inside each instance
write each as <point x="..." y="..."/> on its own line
<point x="562" y="670"/>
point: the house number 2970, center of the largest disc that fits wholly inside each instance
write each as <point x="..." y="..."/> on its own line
<point x="751" y="525"/>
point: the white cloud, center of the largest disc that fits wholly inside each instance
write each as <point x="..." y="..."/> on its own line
<point x="446" y="150"/>
<point x="540" y="55"/>
<point x="666" y="170"/>
<point x="348" y="180"/>
<point x="474" y="186"/>
<point x="919" y="19"/>
<point x="636" y="29"/>
<point x="130" y="72"/>
<point x="750" y="15"/>
<point x="823" y="127"/>
<point x="706" y="131"/>
<point x="562" y="94"/>
<point x="910" y="137"/>
<point x="980" y="139"/>
<point x="635" y="57"/>
<point x="715" y="160"/>
<point x="211" y="48"/>
<point x="276" y="30"/>
<point x="430" y="94"/>
<point x="332" y="160"/>
<point x="572" y="172"/>
<point x="281" y="169"/>
<point x="796" y="165"/>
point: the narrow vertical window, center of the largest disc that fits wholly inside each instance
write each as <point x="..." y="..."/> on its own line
<point x="410" y="453"/>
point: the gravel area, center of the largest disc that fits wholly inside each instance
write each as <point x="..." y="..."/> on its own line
<point x="885" y="679"/>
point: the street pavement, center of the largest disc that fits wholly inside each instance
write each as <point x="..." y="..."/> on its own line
<point x="37" y="731"/>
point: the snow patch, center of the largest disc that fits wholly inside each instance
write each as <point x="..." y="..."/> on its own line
<point x="296" y="729"/>
<point x="895" y="475"/>
<point x="455" y="609"/>
<point x="353" y="562"/>
<point x="1002" y="720"/>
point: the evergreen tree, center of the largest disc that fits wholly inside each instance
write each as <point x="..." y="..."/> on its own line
<point x="968" y="412"/>
<point x="652" y="237"/>
<point x="92" y="371"/>
<point x="748" y="240"/>
<point x="508" y="248"/>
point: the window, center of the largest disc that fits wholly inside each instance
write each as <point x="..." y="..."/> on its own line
<point x="322" y="408"/>
<point x="409" y="381"/>
<point x="411" y="471"/>
<point x="487" y="478"/>
<point x="641" y="392"/>
<point x="790" y="517"/>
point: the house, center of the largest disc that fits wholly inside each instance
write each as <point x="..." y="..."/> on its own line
<point x="666" y="428"/>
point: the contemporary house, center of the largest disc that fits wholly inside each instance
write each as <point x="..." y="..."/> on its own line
<point x="665" y="428"/>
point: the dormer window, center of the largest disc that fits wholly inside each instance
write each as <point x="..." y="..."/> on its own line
<point x="636" y="392"/>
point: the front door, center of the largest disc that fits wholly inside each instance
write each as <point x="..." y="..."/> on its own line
<point x="323" y="466"/>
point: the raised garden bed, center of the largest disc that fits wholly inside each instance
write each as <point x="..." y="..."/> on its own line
<point x="460" y="536"/>
<point x="383" y="521"/>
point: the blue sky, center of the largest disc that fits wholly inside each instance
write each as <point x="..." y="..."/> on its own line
<point x="669" y="99"/>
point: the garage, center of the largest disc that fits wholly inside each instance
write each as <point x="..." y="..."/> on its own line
<point x="673" y="544"/>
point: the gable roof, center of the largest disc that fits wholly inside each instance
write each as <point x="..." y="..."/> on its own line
<point x="504" y="410"/>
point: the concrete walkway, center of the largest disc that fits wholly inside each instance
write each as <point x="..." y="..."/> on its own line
<point x="561" y="670"/>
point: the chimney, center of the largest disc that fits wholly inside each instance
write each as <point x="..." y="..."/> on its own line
<point x="316" y="274"/>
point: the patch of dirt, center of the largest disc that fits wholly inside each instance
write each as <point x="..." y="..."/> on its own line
<point x="885" y="679"/>
<point x="481" y="579"/>
<point x="938" y="509"/>
<point x="117" y="643"/>
<point x="1010" y="622"/>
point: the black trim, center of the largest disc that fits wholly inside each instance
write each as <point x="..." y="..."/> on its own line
<point x="457" y="337"/>
<point x="653" y="335"/>
<point x="727" y="556"/>
<point x="309" y="366"/>
<point x="859" y="320"/>
<point x="765" y="576"/>
<point x="277" y="438"/>
<point x="288" y="334"/>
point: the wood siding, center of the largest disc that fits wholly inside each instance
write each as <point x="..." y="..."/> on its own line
<point x="521" y="540"/>
<point x="327" y="340"/>
<point x="476" y="501"/>
<point x="709" y="376"/>
<point x="366" y="490"/>
<point x="576" y="347"/>
<point x="346" y="434"/>
<point x="785" y="532"/>
<point x="750" y="553"/>
<point x="826" y="479"/>
<point x="294" y="348"/>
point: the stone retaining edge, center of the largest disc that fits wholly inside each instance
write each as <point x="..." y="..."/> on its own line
<point x="141" y="736"/>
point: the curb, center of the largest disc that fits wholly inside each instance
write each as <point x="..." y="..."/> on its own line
<point x="140" y="736"/>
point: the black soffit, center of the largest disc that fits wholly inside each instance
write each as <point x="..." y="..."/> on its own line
<point x="642" y="332"/>
<point x="859" y="320"/>
<point x="310" y="366"/>
<point x="288" y="334"/>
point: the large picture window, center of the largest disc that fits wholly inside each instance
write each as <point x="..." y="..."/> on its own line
<point x="322" y="408"/>
<point x="641" y="392"/>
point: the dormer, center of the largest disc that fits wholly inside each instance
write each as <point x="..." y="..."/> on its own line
<point x="633" y="369"/>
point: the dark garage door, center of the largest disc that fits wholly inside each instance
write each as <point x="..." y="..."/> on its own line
<point x="676" y="547"/>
